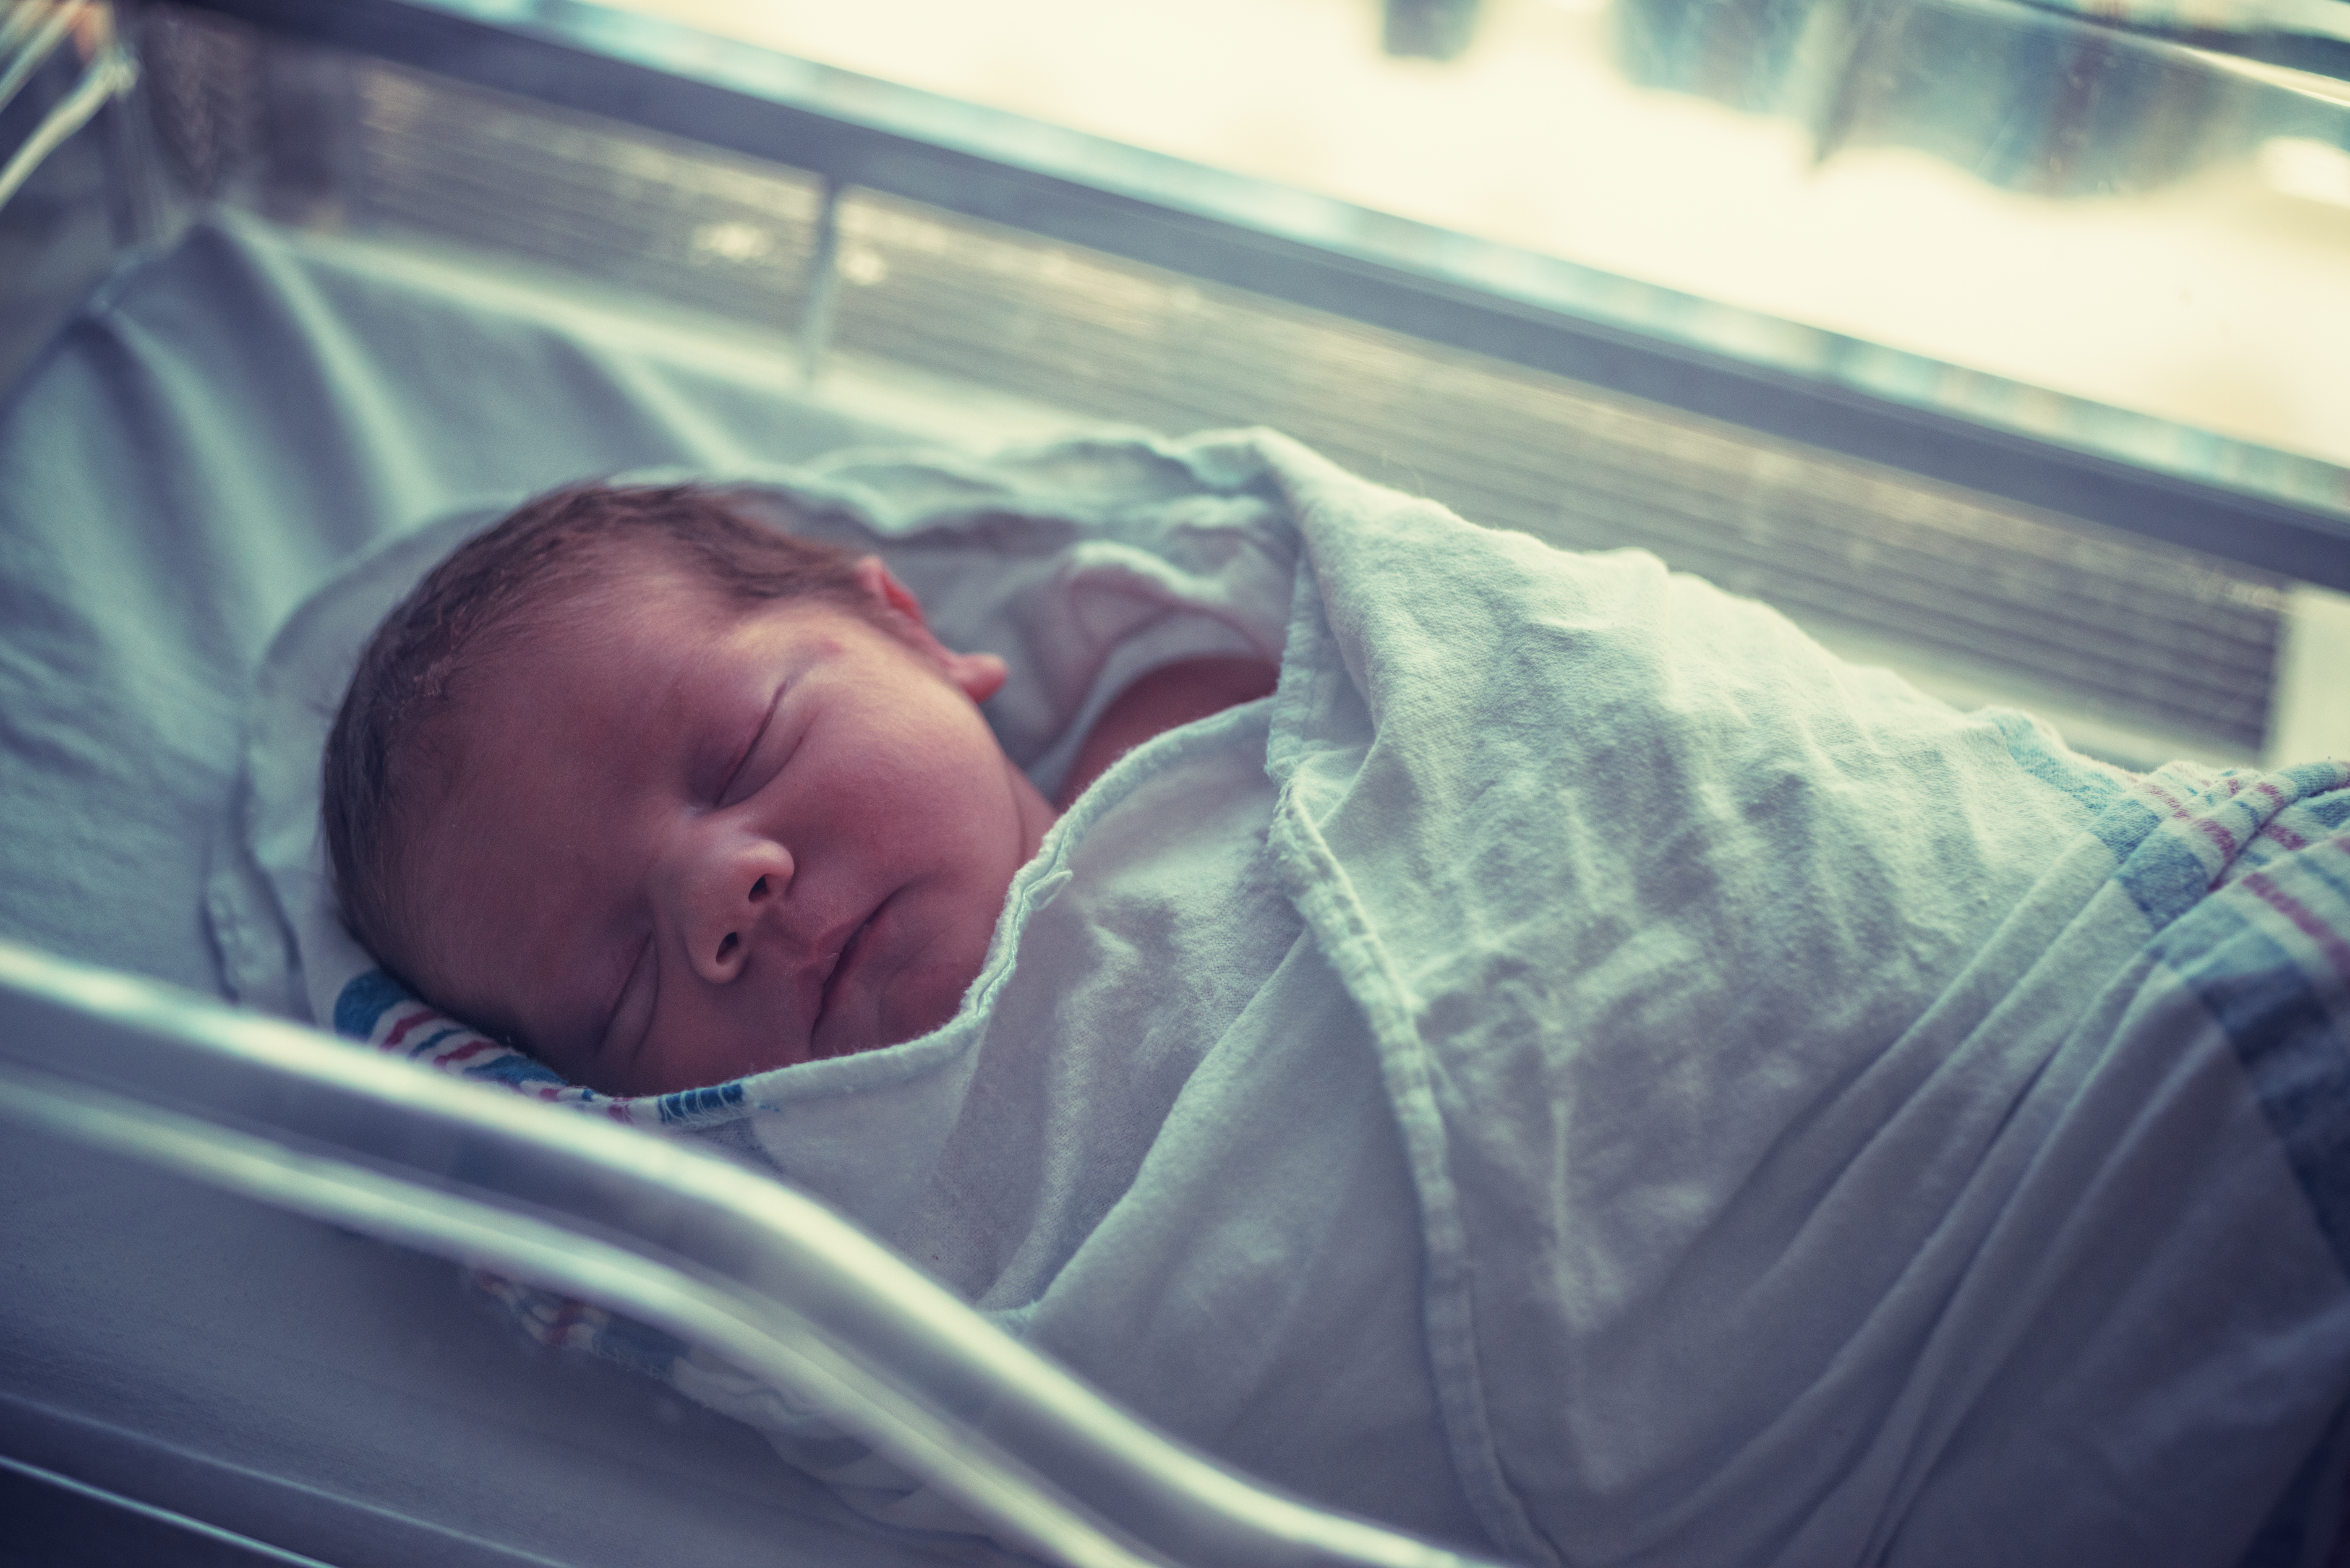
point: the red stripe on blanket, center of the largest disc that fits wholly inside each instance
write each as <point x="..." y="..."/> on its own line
<point x="2210" y="829"/>
<point x="2285" y="835"/>
<point x="2329" y="940"/>
<point x="399" y="1030"/>
<point x="2277" y="830"/>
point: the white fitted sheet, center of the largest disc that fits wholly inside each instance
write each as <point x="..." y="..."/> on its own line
<point x="212" y="436"/>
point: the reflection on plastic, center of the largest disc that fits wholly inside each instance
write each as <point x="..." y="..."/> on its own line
<point x="2028" y="99"/>
<point x="765" y="1278"/>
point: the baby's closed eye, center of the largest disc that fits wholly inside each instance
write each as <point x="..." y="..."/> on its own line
<point x="730" y="786"/>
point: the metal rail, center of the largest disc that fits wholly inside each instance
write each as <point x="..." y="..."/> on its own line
<point x="769" y="1279"/>
<point x="1512" y="305"/>
<point x="23" y="48"/>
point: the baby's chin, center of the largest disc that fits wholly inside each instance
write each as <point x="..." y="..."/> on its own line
<point x="904" y="977"/>
<point x="910" y="1006"/>
<point x="671" y="1072"/>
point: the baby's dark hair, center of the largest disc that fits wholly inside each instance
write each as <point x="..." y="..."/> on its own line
<point x="482" y="603"/>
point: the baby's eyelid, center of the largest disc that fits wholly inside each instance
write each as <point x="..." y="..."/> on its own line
<point x="725" y="791"/>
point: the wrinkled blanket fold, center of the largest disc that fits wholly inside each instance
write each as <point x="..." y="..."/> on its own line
<point x="1585" y="1072"/>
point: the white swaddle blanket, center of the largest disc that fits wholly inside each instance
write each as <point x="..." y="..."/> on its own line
<point x="1579" y="1068"/>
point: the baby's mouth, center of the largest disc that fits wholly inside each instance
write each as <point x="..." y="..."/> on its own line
<point x="842" y="962"/>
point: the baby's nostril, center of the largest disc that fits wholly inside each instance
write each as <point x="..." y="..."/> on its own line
<point x="727" y="947"/>
<point x="759" y="889"/>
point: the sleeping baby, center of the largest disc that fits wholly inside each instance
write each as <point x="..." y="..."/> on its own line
<point x="671" y="799"/>
<point x="1578" y="1070"/>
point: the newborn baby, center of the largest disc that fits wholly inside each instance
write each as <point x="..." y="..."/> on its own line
<point x="670" y="797"/>
<point x="1583" y="1073"/>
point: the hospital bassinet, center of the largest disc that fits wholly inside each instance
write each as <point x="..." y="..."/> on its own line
<point x="445" y="247"/>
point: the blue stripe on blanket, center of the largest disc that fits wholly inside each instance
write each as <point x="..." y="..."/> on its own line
<point x="2163" y="877"/>
<point x="435" y="1038"/>
<point x="2318" y="786"/>
<point x="2284" y="1033"/>
<point x="364" y="1001"/>
<point x="2038" y="751"/>
<point x="695" y="1105"/>
<point x="639" y="1346"/>
<point x="2283" y="1006"/>
<point x="513" y="1067"/>
<point x="2319" y="877"/>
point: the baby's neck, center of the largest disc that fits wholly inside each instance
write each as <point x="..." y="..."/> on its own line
<point x="1171" y="695"/>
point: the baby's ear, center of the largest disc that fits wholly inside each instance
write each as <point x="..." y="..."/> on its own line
<point x="979" y="675"/>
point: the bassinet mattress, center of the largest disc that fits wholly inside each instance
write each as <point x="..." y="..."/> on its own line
<point x="215" y="432"/>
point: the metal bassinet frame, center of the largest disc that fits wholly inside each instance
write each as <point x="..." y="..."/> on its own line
<point x="777" y="1285"/>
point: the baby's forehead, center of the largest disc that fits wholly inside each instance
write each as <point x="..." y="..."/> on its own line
<point x="632" y="610"/>
<point x="621" y="651"/>
<point x="631" y="581"/>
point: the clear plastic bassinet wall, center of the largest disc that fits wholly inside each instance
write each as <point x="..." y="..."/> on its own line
<point x="940" y="242"/>
<point x="1976" y="581"/>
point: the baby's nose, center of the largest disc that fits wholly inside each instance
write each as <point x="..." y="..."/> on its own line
<point x="739" y="885"/>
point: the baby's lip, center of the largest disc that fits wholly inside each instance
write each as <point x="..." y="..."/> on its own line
<point x="837" y="968"/>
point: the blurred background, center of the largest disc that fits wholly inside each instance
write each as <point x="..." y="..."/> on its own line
<point x="2061" y="209"/>
<point x="2121" y="230"/>
<point x="2138" y="212"/>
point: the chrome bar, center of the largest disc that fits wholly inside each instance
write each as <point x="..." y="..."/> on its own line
<point x="109" y="74"/>
<point x="763" y="1276"/>
<point x="220" y="1549"/>
<point x="46" y="37"/>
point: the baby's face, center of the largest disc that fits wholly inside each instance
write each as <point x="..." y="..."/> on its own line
<point x="687" y="839"/>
